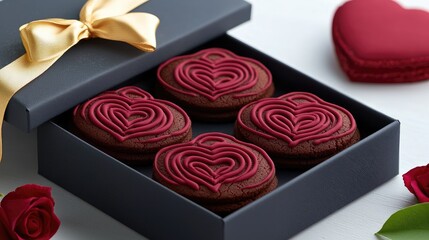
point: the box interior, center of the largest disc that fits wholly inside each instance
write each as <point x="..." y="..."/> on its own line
<point x="284" y="83"/>
<point x="333" y="183"/>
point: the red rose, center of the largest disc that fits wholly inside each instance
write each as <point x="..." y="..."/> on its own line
<point x="28" y="213"/>
<point x="417" y="182"/>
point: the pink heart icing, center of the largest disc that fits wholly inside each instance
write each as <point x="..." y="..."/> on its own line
<point x="215" y="72"/>
<point x="297" y="117"/>
<point x="131" y="113"/>
<point x="215" y="78"/>
<point x="212" y="160"/>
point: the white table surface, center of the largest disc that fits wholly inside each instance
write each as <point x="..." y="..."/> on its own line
<point x="297" y="33"/>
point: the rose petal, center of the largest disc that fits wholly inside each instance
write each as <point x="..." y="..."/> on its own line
<point x="43" y="209"/>
<point x="422" y="197"/>
<point x="14" y="209"/>
<point x="29" y="191"/>
<point x="409" y="176"/>
<point x="5" y="232"/>
<point x="423" y="181"/>
<point x="35" y="224"/>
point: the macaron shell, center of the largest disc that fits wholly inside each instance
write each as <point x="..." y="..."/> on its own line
<point x="380" y="41"/>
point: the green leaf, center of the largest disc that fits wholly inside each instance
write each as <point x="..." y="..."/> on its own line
<point x="410" y="223"/>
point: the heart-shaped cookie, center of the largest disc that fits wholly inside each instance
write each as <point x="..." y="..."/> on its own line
<point x="380" y="41"/>
<point x="131" y="119"/>
<point x="216" y="167"/>
<point x="297" y="125"/>
<point x="213" y="160"/>
<point x="214" y="79"/>
<point x="298" y="117"/>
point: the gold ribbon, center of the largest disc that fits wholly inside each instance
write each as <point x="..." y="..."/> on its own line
<point x="45" y="41"/>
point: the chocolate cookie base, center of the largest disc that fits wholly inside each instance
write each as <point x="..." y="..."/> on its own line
<point x="295" y="162"/>
<point x="143" y="156"/>
<point x="213" y="113"/>
<point x="220" y="207"/>
<point x="299" y="161"/>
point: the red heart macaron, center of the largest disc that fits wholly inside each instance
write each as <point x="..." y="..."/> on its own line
<point x="380" y="41"/>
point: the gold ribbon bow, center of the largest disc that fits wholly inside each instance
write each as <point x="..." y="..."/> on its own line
<point x="45" y="41"/>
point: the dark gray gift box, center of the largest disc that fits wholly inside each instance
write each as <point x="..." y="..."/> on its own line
<point x="302" y="198"/>
<point x="95" y="65"/>
<point x="129" y="194"/>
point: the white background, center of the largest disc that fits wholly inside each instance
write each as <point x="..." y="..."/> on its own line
<point x="297" y="33"/>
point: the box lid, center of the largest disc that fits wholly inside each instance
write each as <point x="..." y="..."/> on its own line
<point x="95" y="65"/>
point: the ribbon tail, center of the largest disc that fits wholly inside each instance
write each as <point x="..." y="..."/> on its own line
<point x="15" y="76"/>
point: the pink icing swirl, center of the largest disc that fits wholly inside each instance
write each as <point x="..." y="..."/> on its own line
<point x="297" y="117"/>
<point x="214" y="73"/>
<point x="131" y="113"/>
<point x="212" y="160"/>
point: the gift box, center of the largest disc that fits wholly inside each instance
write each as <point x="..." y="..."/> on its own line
<point x="303" y="197"/>
<point x="129" y="194"/>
